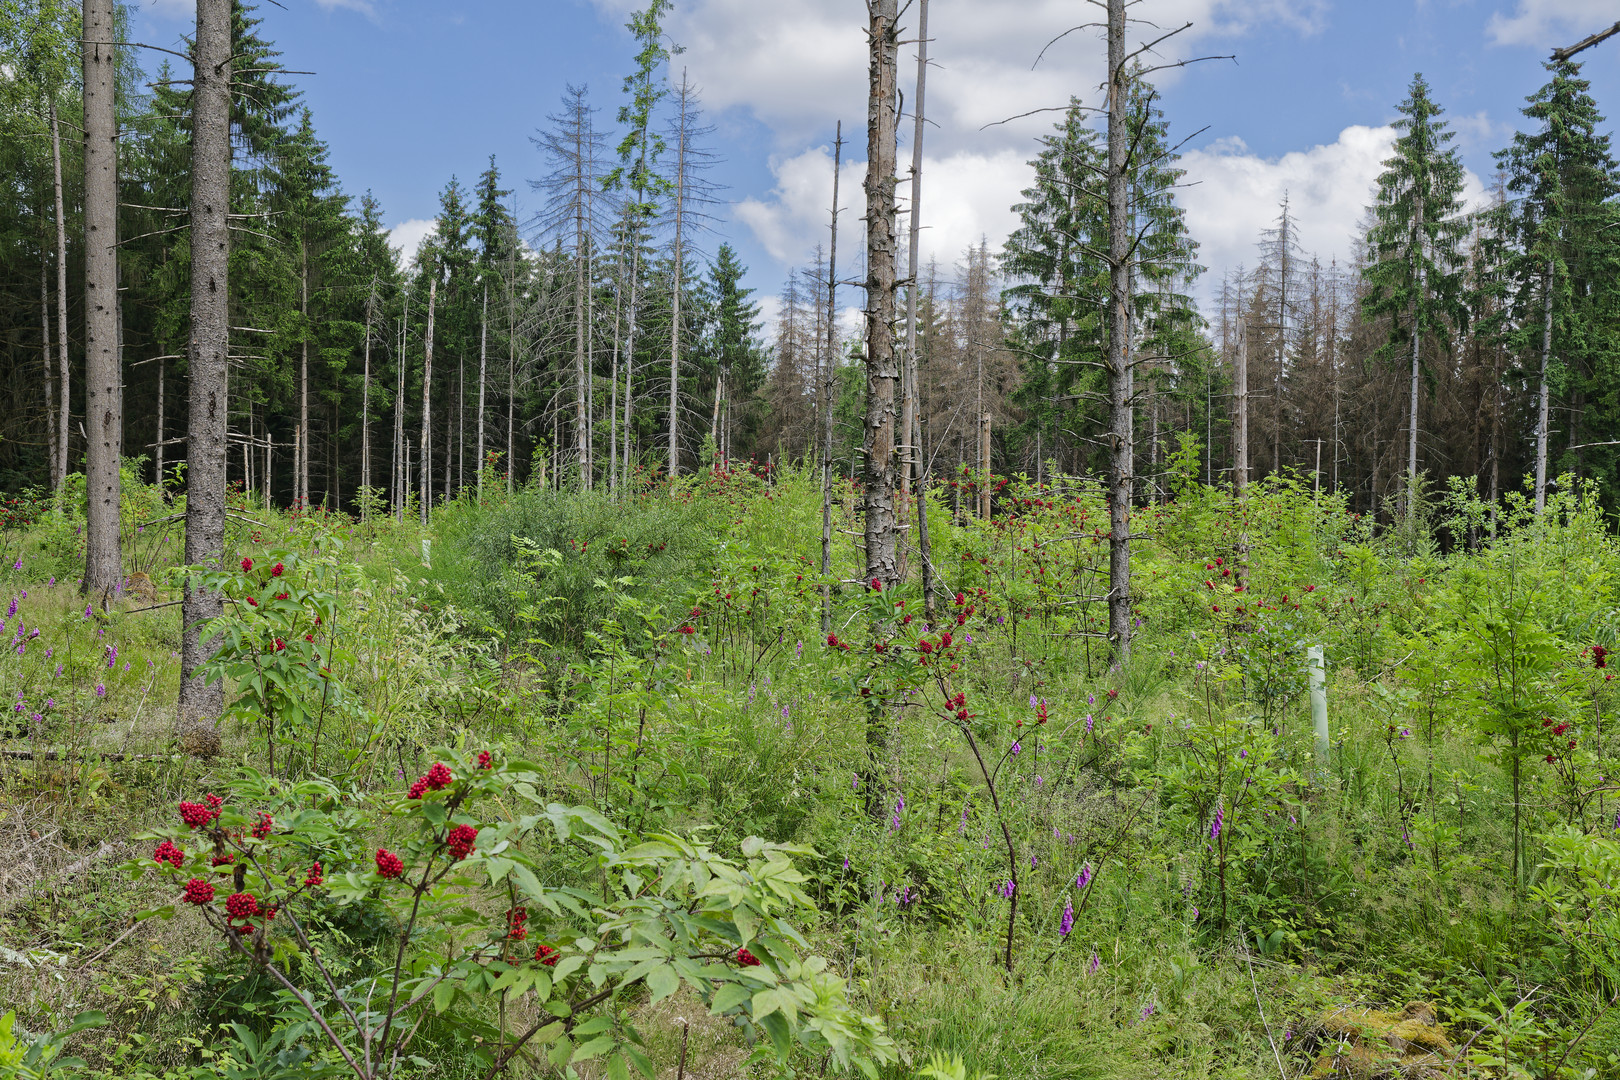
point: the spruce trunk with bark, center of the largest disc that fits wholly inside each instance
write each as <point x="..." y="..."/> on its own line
<point x="1121" y="430"/>
<point x="202" y="702"/>
<point x="64" y="421"/>
<point x="828" y="370"/>
<point x="483" y="375"/>
<point x="882" y="372"/>
<point x="1543" y="410"/>
<point x="915" y="470"/>
<point x="427" y="398"/>
<point x="103" y="407"/>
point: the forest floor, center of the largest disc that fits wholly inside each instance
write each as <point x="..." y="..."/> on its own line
<point x="1025" y="860"/>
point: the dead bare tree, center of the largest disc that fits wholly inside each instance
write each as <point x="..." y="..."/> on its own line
<point x="882" y="372"/>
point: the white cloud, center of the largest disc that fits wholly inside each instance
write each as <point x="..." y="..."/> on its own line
<point x="407" y="236"/>
<point x="1550" y="22"/>
<point x="966" y="197"/>
<point x="1236" y="194"/>
<point x="799" y="67"/>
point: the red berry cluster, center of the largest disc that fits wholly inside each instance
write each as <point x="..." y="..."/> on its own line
<point x="167" y="853"/>
<point x="546" y="955"/>
<point x="460" y="841"/>
<point x="314" y="876"/>
<point x="247" y="564"/>
<point x="222" y="860"/>
<point x="747" y="959"/>
<point x="483" y="759"/>
<point x="275" y="571"/>
<point x="514" y="923"/>
<point x="196" y="815"/>
<point x="198" y="891"/>
<point x="437" y="778"/>
<point x="389" y="864"/>
<point x="262" y="827"/>
<point x="241" y="906"/>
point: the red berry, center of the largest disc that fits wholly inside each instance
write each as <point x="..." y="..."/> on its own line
<point x="262" y="827"/>
<point x="460" y="840"/>
<point x="167" y="853"/>
<point x="242" y="905"/>
<point x="247" y="564"/>
<point x="222" y="860"/>
<point x="747" y="959"/>
<point x="438" y="777"/>
<point x="314" y="877"/>
<point x="195" y="815"/>
<point x="198" y="891"/>
<point x="388" y="864"/>
<point x="546" y="955"/>
<point x="483" y="759"/>
<point x="275" y="571"/>
<point x="417" y="788"/>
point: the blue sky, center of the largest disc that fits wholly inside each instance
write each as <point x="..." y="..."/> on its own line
<point x="408" y="92"/>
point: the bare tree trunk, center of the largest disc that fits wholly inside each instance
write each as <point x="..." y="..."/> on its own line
<point x="402" y="486"/>
<point x="461" y="425"/>
<point x="427" y="398"/>
<point x="52" y="431"/>
<point x="613" y="399"/>
<point x="64" y="438"/>
<point x="201" y="703"/>
<point x="881" y="370"/>
<point x="163" y="365"/>
<point x="911" y="417"/>
<point x="1543" y="409"/>
<point x="581" y="323"/>
<point x="301" y="496"/>
<point x="1240" y="424"/>
<point x="675" y="293"/>
<point x="365" y="396"/>
<point x="103" y="571"/>
<point x="828" y="371"/>
<point x="483" y="374"/>
<point x="511" y="368"/>
<point x="1122" y="436"/>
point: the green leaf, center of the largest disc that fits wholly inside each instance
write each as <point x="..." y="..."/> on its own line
<point x="443" y="994"/>
<point x="728" y="997"/>
<point x="662" y="981"/>
<point x="617" y="1069"/>
<point x="595" y="1048"/>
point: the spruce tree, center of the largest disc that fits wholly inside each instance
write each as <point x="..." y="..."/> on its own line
<point x="1561" y="274"/>
<point x="1414" y="275"/>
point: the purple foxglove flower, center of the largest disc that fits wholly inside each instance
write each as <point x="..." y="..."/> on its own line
<point x="101" y="691"/>
<point x="12" y="610"/>
<point x="1089" y="722"/>
<point x="1215" y="823"/>
<point x="1016" y="749"/>
<point x="1068" y="919"/>
<point x="1084" y="877"/>
<point x="1095" y="965"/>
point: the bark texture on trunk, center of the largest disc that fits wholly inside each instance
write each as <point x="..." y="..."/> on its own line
<point x="1543" y="410"/>
<point x="201" y="703"/>
<point x="1121" y="418"/>
<point x="483" y="375"/>
<point x="915" y="470"/>
<point x="103" y="409"/>
<point x="829" y="370"/>
<point x="301" y="496"/>
<point x="64" y="432"/>
<point x="365" y="394"/>
<point x="427" y="399"/>
<point x="882" y="372"/>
